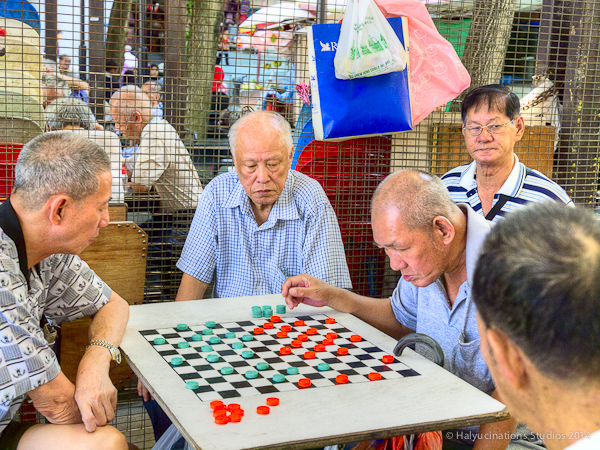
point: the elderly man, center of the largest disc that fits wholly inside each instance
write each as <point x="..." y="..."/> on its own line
<point x="435" y="244"/>
<point x="258" y="225"/>
<point x="537" y="296"/>
<point x="153" y="90"/>
<point x="59" y="203"/>
<point x="496" y="183"/>
<point x="53" y="87"/>
<point x="71" y="114"/>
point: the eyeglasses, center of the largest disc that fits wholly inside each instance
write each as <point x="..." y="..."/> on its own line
<point x="491" y="129"/>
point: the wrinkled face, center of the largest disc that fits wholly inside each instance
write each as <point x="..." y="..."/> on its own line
<point x="262" y="164"/>
<point x="50" y="94"/>
<point x="64" y="64"/>
<point x="154" y="72"/>
<point x="130" y="127"/>
<point x="415" y="253"/>
<point x="492" y="149"/>
<point x="85" y="218"/>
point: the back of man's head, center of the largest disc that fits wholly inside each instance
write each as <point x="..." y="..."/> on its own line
<point x="129" y="99"/>
<point x="58" y="163"/>
<point x="494" y="97"/>
<point x="418" y="196"/>
<point x="69" y="111"/>
<point x="256" y="122"/>
<point x="538" y="281"/>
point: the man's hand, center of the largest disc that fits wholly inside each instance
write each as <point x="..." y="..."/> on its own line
<point x="95" y="394"/>
<point x="144" y="392"/>
<point x="54" y="400"/>
<point x="311" y="291"/>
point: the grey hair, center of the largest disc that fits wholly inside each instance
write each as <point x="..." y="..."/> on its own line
<point x="69" y="111"/>
<point x="130" y="99"/>
<point x="58" y="163"/>
<point x="50" y="64"/>
<point x="257" y="118"/>
<point x="52" y="81"/>
<point x="418" y="195"/>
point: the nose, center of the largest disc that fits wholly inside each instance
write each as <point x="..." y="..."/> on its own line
<point x="104" y="219"/>
<point x="397" y="263"/>
<point x="262" y="173"/>
<point x="485" y="135"/>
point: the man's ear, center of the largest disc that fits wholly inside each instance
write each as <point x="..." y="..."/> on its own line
<point x="56" y="208"/>
<point x="442" y="227"/>
<point x="509" y="358"/>
<point x="520" y="124"/>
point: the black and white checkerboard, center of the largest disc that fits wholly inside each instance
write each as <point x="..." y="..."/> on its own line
<point x="363" y="358"/>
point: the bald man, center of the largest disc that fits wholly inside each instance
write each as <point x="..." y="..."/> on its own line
<point x="435" y="244"/>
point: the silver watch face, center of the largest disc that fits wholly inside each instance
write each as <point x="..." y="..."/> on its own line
<point x="117" y="356"/>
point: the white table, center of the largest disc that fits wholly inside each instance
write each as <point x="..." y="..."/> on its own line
<point x="308" y="418"/>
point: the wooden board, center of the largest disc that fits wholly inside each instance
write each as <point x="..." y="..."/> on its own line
<point x="306" y="418"/>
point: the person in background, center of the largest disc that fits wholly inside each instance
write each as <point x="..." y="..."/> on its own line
<point x="496" y="183"/>
<point x="61" y="71"/>
<point x="53" y="87"/>
<point x="154" y="92"/>
<point x="537" y="292"/>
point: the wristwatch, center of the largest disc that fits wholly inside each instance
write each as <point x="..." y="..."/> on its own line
<point x="115" y="353"/>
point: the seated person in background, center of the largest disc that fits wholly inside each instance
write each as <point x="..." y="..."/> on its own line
<point x="154" y="75"/>
<point x="71" y="114"/>
<point x="78" y="86"/>
<point x="258" y="225"/>
<point x="537" y="296"/>
<point x="154" y="92"/>
<point x="53" y="87"/>
<point x="496" y="183"/>
<point x="58" y="205"/>
<point x="111" y="79"/>
<point x="219" y="102"/>
<point x="435" y="243"/>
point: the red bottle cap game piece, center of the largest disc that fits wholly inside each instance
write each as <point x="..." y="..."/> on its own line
<point x="272" y="401"/>
<point x="275" y="319"/>
<point x="258" y="330"/>
<point x="263" y="410"/>
<point x="319" y="348"/>
<point x="309" y="355"/>
<point x="341" y="379"/>
<point x="233" y="407"/>
<point x="331" y="336"/>
<point x="285" y="350"/>
<point x="327" y="341"/>
<point x="286" y="328"/>
<point x="311" y="331"/>
<point x="235" y="418"/>
<point x="342" y="351"/>
<point x="374" y="376"/>
<point x="387" y="359"/>
<point x="304" y="383"/>
<point x="355" y="338"/>
<point x="220" y="411"/>
<point x="299" y="323"/>
<point x="302" y="337"/>
<point x="330" y="321"/>
<point x="268" y="325"/>
<point x="222" y="420"/>
<point x="215" y="403"/>
<point x="281" y="334"/>
<point x="296" y="343"/>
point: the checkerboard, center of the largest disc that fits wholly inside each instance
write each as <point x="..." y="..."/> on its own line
<point x="363" y="357"/>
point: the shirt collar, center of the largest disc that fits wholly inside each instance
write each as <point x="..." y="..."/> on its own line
<point x="9" y="222"/>
<point x="284" y="208"/>
<point x="511" y="187"/>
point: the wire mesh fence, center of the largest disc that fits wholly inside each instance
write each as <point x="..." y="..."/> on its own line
<point x="199" y="65"/>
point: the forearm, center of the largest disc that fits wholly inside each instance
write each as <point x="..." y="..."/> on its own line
<point x="138" y="188"/>
<point x="497" y="435"/>
<point x="76" y="84"/>
<point x="110" y="321"/>
<point x="190" y="288"/>
<point x="56" y="402"/>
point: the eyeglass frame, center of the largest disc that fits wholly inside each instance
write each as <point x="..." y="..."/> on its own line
<point x="487" y="127"/>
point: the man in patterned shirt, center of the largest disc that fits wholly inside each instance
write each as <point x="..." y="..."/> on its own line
<point x="496" y="183"/>
<point x="258" y="225"/>
<point x="59" y="203"/>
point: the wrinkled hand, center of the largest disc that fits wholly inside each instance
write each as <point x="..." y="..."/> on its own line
<point x="95" y="394"/>
<point x="144" y="392"/>
<point x="307" y="289"/>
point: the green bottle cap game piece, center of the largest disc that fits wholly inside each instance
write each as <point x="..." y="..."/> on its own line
<point x="206" y="348"/>
<point x="247" y="354"/>
<point x="207" y="331"/>
<point x="227" y="370"/>
<point x="237" y="345"/>
<point x="278" y="378"/>
<point x="197" y="337"/>
<point x="323" y="367"/>
<point x="210" y="324"/>
<point x="262" y="366"/>
<point x="268" y="313"/>
<point x="177" y="361"/>
<point x="230" y="335"/>
<point x="191" y="385"/>
<point x="215" y="340"/>
<point x="292" y="370"/>
<point x="183" y="344"/>
<point x="159" y="341"/>
<point x="247" y="337"/>
<point x="212" y="358"/>
<point x="280" y="309"/>
<point x="250" y="374"/>
<point x="182" y="327"/>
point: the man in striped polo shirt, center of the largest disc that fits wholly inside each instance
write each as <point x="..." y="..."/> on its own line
<point x="496" y="183"/>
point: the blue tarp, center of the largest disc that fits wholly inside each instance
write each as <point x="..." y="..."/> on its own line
<point x="20" y="10"/>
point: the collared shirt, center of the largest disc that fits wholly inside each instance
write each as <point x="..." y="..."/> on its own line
<point x="61" y="287"/>
<point x="163" y="162"/>
<point x="521" y="186"/>
<point x="301" y="235"/>
<point x="427" y="310"/>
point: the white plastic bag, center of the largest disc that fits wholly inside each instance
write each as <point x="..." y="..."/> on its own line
<point x="368" y="45"/>
<point x="169" y="438"/>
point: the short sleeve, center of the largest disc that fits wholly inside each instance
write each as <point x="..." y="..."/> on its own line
<point x="151" y="160"/>
<point x="404" y="304"/>
<point x="198" y="258"/>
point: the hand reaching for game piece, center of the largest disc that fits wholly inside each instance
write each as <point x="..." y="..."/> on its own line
<point x="311" y="291"/>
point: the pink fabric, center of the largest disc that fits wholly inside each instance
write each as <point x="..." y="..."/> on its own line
<point x="436" y="73"/>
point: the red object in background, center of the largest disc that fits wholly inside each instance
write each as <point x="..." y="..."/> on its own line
<point x="9" y="152"/>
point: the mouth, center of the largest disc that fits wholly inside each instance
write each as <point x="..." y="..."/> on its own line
<point x="408" y="278"/>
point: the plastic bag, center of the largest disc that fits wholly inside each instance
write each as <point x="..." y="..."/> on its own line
<point x="368" y="45"/>
<point x="171" y="440"/>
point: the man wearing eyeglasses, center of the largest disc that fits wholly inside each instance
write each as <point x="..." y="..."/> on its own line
<point x="496" y="183"/>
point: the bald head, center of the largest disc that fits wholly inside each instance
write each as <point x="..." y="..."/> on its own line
<point x="417" y="196"/>
<point x="129" y="100"/>
<point x="259" y="123"/>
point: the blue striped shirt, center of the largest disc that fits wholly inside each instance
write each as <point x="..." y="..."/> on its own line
<point x="301" y="236"/>
<point x="521" y="186"/>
